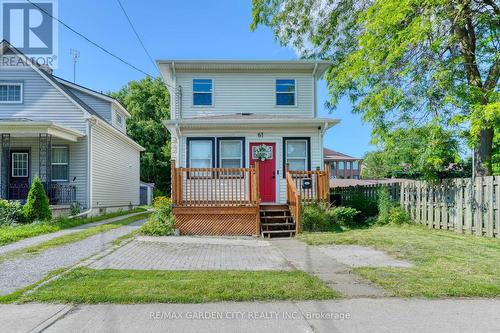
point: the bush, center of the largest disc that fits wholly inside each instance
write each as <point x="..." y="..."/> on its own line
<point x="367" y="206"/>
<point x="343" y="215"/>
<point x="37" y="206"/>
<point x="390" y="212"/>
<point x="75" y="208"/>
<point x="315" y="217"/>
<point x="161" y="222"/>
<point x="11" y="212"/>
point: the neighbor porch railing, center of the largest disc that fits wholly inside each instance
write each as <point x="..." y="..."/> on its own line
<point x="305" y="186"/>
<point x="212" y="187"/>
<point x="58" y="194"/>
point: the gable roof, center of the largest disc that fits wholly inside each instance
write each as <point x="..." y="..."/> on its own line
<point x="332" y="155"/>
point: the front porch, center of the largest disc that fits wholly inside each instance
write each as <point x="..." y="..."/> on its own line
<point x="40" y="149"/>
<point x="227" y="201"/>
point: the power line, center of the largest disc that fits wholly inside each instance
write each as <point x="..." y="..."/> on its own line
<point x="90" y="41"/>
<point x="136" y="34"/>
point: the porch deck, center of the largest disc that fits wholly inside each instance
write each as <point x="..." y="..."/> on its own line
<point x="226" y="201"/>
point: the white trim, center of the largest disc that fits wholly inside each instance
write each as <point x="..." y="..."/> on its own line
<point x="21" y="85"/>
<point x="203" y="92"/>
<point x="37" y="127"/>
<point x="276" y="92"/>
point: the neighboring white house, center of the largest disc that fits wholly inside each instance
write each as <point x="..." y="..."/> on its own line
<point x="70" y="136"/>
<point x="225" y="112"/>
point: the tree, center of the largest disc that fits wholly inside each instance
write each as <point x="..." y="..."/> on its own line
<point x="148" y="102"/>
<point x="426" y="152"/>
<point x="403" y="63"/>
<point x="37" y="205"/>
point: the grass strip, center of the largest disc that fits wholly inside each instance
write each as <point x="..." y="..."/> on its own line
<point x="73" y="237"/>
<point x="10" y="234"/>
<point x="447" y="264"/>
<point x="84" y="285"/>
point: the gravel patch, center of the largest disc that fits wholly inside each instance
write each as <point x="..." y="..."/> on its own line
<point x="194" y="253"/>
<point x="362" y="256"/>
<point x="28" y="269"/>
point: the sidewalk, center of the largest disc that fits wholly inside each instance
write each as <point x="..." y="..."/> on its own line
<point x="359" y="315"/>
<point x="27" y="242"/>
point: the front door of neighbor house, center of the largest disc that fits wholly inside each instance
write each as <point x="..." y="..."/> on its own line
<point x="265" y="154"/>
<point x="19" y="182"/>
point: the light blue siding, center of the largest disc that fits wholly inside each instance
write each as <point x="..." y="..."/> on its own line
<point x="102" y="107"/>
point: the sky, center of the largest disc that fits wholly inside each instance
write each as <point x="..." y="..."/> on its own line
<point x="194" y="29"/>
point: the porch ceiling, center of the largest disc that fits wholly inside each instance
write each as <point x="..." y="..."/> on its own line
<point x="33" y="128"/>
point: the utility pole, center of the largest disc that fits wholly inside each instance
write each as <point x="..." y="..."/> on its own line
<point x="75" y="54"/>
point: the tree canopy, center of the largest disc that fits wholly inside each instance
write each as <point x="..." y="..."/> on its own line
<point x="403" y="63"/>
<point x="148" y="102"/>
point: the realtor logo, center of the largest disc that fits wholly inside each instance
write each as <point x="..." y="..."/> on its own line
<point x="31" y="28"/>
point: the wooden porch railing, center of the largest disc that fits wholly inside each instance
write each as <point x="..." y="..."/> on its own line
<point x="212" y="187"/>
<point x="305" y="186"/>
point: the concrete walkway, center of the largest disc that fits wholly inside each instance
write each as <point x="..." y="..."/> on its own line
<point x="354" y="315"/>
<point x="335" y="274"/>
<point x="27" y="242"/>
<point x="27" y="269"/>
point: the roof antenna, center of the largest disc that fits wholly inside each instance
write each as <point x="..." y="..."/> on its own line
<point x="75" y="54"/>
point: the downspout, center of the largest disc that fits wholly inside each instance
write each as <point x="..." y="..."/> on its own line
<point x="90" y="122"/>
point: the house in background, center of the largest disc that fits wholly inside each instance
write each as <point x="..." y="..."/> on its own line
<point x="235" y="127"/>
<point x="72" y="137"/>
<point x="342" y="166"/>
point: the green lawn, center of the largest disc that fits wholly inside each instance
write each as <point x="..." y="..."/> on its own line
<point x="84" y="285"/>
<point x="10" y="234"/>
<point x="447" y="264"/>
<point x="73" y="237"/>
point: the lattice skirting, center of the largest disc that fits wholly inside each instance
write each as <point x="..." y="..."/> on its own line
<point x="217" y="220"/>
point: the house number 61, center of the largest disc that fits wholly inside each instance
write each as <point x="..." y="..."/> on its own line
<point x="260" y="134"/>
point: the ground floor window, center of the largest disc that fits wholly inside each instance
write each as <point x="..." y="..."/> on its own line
<point x="60" y="163"/>
<point x="200" y="152"/>
<point x="297" y="153"/>
<point x="231" y="152"/>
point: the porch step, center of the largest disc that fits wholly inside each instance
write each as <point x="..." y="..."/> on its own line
<point x="276" y="221"/>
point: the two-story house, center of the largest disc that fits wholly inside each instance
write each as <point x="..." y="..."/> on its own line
<point x="232" y="119"/>
<point x="72" y="137"/>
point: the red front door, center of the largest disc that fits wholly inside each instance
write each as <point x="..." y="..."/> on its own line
<point x="267" y="169"/>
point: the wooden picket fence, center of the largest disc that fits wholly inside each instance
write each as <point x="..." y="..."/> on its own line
<point x="464" y="205"/>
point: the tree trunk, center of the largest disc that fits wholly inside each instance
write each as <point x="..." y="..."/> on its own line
<point x="483" y="153"/>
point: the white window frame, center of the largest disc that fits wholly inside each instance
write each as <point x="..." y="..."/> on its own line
<point x="306" y="158"/>
<point x="19" y="84"/>
<point x="59" y="163"/>
<point x="191" y="150"/>
<point x="27" y="165"/>
<point x="203" y="92"/>
<point x="276" y="92"/>
<point x="119" y="118"/>
<point x="241" y="151"/>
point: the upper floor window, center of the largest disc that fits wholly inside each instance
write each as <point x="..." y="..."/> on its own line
<point x="11" y="93"/>
<point x="119" y="119"/>
<point x="203" y="92"/>
<point x="285" y="92"/>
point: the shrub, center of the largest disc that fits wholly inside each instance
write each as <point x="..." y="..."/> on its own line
<point x="367" y="206"/>
<point x="161" y="222"/>
<point x="343" y="215"/>
<point x="11" y="212"/>
<point x="158" y="193"/>
<point x="390" y="212"/>
<point x="75" y="208"/>
<point x="37" y="205"/>
<point x="315" y="217"/>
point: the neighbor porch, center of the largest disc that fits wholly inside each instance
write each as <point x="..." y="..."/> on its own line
<point x="55" y="154"/>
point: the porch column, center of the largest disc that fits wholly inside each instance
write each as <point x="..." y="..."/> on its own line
<point x="352" y="169"/>
<point x="4" y="177"/>
<point x="44" y="160"/>
<point x="345" y="169"/>
<point x="336" y="169"/>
